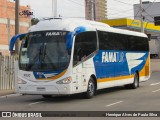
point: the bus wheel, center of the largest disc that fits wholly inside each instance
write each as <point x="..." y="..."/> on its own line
<point x="136" y="81"/>
<point x="47" y="96"/>
<point x="91" y="89"/>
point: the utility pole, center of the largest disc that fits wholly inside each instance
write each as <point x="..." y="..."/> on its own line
<point x="54" y="8"/>
<point x="16" y="24"/>
<point x="16" y="44"/>
<point x="9" y="31"/>
<point x="141" y="12"/>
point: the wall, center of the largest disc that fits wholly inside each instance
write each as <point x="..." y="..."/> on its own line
<point x="7" y="13"/>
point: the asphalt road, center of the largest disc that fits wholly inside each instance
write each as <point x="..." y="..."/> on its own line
<point x="145" y="98"/>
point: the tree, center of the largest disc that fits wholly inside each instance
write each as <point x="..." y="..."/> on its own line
<point x="34" y="21"/>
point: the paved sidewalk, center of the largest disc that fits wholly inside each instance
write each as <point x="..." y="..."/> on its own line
<point x="155" y="65"/>
<point x="6" y="92"/>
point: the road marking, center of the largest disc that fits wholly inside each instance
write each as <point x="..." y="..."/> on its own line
<point x="114" y="104"/>
<point x="153" y="84"/>
<point x="156" y="90"/>
<point x="35" y="103"/>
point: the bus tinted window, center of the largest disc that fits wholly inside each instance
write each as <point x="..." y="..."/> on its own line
<point x="120" y="42"/>
<point x="85" y="44"/>
<point x="112" y="41"/>
<point x="138" y="44"/>
<point x="115" y="41"/>
<point x="106" y="41"/>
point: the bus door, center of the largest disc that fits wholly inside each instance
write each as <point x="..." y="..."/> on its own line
<point x="77" y="76"/>
<point x="84" y="48"/>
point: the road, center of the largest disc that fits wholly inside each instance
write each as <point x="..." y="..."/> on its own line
<point x="145" y="98"/>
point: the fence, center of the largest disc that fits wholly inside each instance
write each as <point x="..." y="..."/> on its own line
<point x="7" y="73"/>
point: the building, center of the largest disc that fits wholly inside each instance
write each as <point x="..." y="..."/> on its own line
<point x="96" y="9"/>
<point x="7" y="23"/>
<point x="151" y="10"/>
<point x="135" y="25"/>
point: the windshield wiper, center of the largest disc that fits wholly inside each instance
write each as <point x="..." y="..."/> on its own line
<point x="44" y="52"/>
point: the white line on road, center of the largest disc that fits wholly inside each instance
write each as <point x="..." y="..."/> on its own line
<point x="35" y="103"/>
<point x="114" y="104"/>
<point x="156" y="90"/>
<point x="153" y="84"/>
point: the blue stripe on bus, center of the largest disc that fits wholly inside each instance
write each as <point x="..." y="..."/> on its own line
<point x="117" y="63"/>
<point x="80" y="30"/>
<point x="38" y="75"/>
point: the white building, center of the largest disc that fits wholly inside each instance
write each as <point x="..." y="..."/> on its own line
<point x="150" y="10"/>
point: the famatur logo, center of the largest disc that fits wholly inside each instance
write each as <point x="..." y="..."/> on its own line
<point x="55" y="33"/>
<point x="52" y="33"/>
<point x="112" y="57"/>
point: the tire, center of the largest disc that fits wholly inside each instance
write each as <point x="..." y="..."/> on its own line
<point x="135" y="84"/>
<point x="136" y="81"/>
<point x="47" y="96"/>
<point x="91" y="89"/>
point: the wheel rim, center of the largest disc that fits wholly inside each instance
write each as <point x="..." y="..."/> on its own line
<point x="91" y="88"/>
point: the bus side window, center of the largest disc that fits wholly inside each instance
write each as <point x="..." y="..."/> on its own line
<point x="85" y="44"/>
<point x="120" y="42"/>
<point x="106" y="40"/>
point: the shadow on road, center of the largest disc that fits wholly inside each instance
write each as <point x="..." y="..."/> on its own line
<point x="59" y="99"/>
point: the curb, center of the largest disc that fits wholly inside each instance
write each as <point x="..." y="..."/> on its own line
<point x="11" y="95"/>
<point x="8" y="93"/>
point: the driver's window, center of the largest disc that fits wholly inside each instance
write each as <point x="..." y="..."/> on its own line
<point x="85" y="44"/>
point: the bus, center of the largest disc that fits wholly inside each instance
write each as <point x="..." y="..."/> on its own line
<point x="70" y="56"/>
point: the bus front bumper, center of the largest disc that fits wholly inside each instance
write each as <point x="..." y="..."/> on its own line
<point x="43" y="90"/>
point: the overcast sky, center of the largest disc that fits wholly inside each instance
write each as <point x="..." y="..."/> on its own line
<point x="76" y="8"/>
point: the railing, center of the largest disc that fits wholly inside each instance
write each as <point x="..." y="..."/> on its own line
<point x="7" y="73"/>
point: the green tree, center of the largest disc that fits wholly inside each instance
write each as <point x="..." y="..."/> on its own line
<point x="34" y="21"/>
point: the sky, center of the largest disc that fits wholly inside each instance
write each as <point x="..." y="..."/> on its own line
<point x="76" y="8"/>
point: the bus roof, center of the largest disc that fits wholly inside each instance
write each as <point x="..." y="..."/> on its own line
<point x="72" y="24"/>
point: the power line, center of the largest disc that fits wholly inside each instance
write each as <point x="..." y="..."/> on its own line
<point x="123" y="2"/>
<point x="137" y="16"/>
<point x="76" y="3"/>
<point x="134" y="19"/>
<point x="115" y="8"/>
<point x="135" y="6"/>
<point x="150" y="5"/>
<point x="121" y="12"/>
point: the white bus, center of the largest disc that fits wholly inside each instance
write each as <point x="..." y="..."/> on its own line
<point x="70" y="56"/>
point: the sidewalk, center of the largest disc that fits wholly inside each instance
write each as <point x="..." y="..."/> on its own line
<point x="155" y="65"/>
<point x="6" y="92"/>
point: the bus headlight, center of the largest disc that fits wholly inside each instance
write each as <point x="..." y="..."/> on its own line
<point x="20" y="81"/>
<point x="65" y="81"/>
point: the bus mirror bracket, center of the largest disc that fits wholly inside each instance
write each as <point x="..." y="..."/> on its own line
<point x="13" y="41"/>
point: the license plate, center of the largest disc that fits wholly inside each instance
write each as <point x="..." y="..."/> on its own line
<point x="41" y="89"/>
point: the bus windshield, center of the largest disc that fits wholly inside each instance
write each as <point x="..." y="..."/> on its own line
<point x="44" y="51"/>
